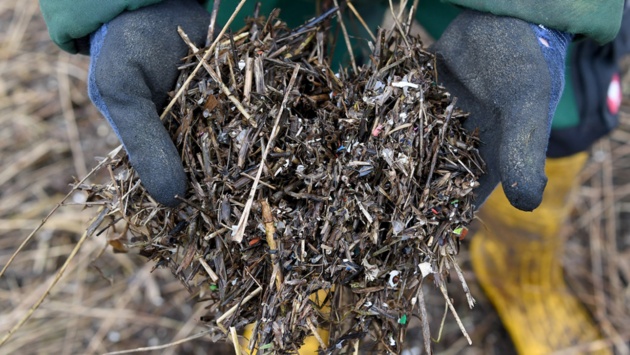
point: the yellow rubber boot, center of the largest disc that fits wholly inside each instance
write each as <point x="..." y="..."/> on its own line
<point x="517" y="258"/>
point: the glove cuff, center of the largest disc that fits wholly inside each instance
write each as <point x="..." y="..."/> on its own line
<point x="553" y="45"/>
<point x="96" y="42"/>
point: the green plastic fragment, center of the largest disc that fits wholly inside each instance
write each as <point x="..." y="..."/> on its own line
<point x="403" y="319"/>
<point x="458" y="231"/>
<point x="213" y="287"/>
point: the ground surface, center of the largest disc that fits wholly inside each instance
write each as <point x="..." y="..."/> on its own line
<point x="50" y="133"/>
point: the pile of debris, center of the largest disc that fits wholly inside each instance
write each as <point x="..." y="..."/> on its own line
<point x="318" y="199"/>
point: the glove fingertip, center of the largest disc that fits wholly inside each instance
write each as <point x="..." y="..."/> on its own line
<point x="159" y="166"/>
<point x="525" y="194"/>
<point x="167" y="194"/>
<point x="165" y="184"/>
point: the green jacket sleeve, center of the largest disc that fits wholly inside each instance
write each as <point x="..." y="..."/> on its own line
<point x="599" y="20"/>
<point x="70" y="20"/>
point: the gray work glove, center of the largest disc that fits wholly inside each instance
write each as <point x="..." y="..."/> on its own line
<point x="509" y="74"/>
<point x="134" y="61"/>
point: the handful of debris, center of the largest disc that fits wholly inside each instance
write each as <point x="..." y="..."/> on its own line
<point x="317" y="199"/>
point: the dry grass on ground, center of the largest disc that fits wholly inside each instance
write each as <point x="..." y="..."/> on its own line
<point x="49" y="132"/>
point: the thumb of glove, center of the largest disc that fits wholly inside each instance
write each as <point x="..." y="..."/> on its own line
<point x="523" y="175"/>
<point x="509" y="75"/>
<point x="133" y="65"/>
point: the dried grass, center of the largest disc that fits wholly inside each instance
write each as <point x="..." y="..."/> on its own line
<point x="597" y="259"/>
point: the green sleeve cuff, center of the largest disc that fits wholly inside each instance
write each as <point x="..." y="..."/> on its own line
<point x="71" y="20"/>
<point x="592" y="18"/>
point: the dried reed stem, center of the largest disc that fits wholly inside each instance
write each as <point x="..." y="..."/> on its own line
<point x="235" y="342"/>
<point x="346" y="38"/>
<point x="208" y="269"/>
<point x="213" y="21"/>
<point x="234" y="308"/>
<point x="270" y="232"/>
<point x="360" y="18"/>
<point x="397" y="21"/>
<point x="457" y="319"/>
<point x="313" y="329"/>
<point x="249" y="73"/>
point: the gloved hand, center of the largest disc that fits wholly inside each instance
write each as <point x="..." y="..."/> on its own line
<point x="133" y="65"/>
<point x="509" y="74"/>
